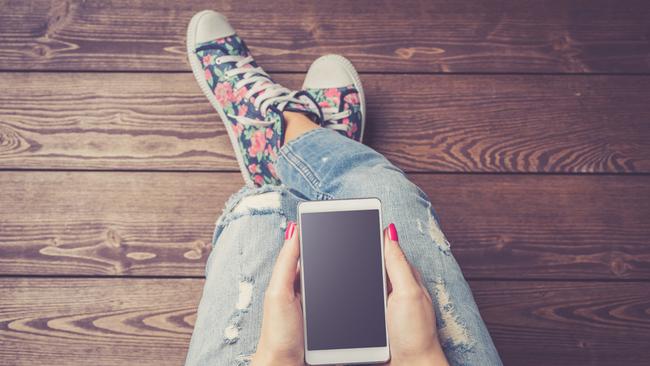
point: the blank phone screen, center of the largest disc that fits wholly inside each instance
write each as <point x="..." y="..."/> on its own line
<point x="343" y="283"/>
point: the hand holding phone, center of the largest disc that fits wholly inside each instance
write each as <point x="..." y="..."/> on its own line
<point x="410" y="317"/>
<point x="281" y="340"/>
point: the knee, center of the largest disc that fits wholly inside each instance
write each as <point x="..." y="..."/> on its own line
<point x="388" y="184"/>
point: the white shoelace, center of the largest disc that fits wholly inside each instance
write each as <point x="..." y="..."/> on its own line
<point x="268" y="92"/>
<point x="332" y="114"/>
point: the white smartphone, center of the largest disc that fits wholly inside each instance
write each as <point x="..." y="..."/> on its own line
<point x="343" y="281"/>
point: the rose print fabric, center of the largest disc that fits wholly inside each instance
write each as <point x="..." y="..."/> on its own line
<point x="341" y="100"/>
<point x="257" y="145"/>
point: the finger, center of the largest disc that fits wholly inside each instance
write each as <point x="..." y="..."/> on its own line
<point x="416" y="273"/>
<point x="397" y="266"/>
<point x="284" y="271"/>
<point x="418" y="277"/>
<point x="296" y="281"/>
<point x="389" y="286"/>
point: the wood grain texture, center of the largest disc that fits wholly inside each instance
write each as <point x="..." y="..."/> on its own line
<point x="567" y="323"/>
<point x="111" y="322"/>
<point x="160" y="224"/>
<point x="452" y="123"/>
<point x="149" y="321"/>
<point x="110" y="223"/>
<point x="534" y="246"/>
<point x="406" y="36"/>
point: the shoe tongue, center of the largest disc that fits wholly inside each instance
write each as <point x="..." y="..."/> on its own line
<point x="227" y="46"/>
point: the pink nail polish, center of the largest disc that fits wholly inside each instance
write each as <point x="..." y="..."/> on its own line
<point x="288" y="232"/>
<point x="392" y="232"/>
<point x="293" y="230"/>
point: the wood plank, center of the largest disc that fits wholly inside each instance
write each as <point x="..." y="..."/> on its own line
<point x="406" y="36"/>
<point x="160" y="224"/>
<point x="455" y="123"/>
<point x="149" y="321"/>
<point x="110" y="223"/>
<point x="567" y="323"/>
<point x="111" y="322"/>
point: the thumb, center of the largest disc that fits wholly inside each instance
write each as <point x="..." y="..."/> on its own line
<point x="397" y="266"/>
<point x="284" y="271"/>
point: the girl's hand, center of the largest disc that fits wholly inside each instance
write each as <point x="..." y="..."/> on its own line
<point x="281" y="340"/>
<point x="410" y="317"/>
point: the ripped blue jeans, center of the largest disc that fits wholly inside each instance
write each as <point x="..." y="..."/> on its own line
<point x="320" y="165"/>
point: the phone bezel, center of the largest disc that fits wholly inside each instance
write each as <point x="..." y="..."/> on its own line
<point x="345" y="355"/>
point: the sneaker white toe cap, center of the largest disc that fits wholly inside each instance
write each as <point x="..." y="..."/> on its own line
<point x="329" y="71"/>
<point x="210" y="25"/>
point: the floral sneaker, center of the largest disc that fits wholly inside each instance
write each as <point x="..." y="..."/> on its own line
<point x="249" y="102"/>
<point x="334" y="83"/>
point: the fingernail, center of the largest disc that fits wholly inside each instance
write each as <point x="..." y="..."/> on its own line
<point x="288" y="232"/>
<point x="392" y="232"/>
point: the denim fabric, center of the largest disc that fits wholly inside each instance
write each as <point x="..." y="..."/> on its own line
<point x="318" y="165"/>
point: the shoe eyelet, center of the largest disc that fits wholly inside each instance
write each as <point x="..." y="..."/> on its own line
<point x="217" y="61"/>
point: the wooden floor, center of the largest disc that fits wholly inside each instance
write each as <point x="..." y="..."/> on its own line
<point x="527" y="122"/>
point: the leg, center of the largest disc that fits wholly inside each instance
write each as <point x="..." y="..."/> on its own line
<point x="247" y="239"/>
<point x="322" y="164"/>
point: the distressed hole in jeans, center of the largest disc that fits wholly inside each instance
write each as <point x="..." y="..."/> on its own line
<point x="453" y="333"/>
<point x="231" y="333"/>
<point x="245" y="294"/>
<point x="262" y="201"/>
<point x="243" y="360"/>
<point x="435" y="233"/>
